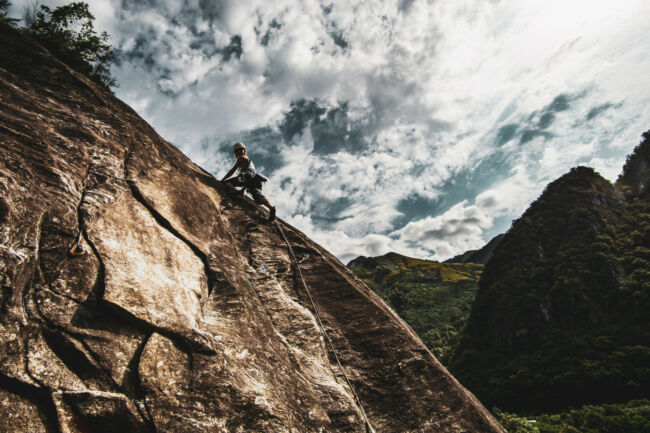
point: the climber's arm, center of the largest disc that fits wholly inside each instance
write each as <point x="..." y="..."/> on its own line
<point x="232" y="170"/>
<point x="240" y="162"/>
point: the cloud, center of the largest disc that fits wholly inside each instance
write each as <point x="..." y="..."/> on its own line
<point x="601" y="108"/>
<point x="458" y="229"/>
<point x="506" y="133"/>
<point x="531" y="134"/>
<point x="416" y="127"/>
<point x="560" y="103"/>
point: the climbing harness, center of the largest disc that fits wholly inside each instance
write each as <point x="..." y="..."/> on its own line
<point x="369" y="428"/>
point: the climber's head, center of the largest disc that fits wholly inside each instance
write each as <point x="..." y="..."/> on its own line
<point x="239" y="149"/>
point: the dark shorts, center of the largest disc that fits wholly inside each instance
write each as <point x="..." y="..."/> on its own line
<point x="250" y="186"/>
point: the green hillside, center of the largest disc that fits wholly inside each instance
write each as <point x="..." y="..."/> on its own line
<point x="561" y="315"/>
<point x="434" y="298"/>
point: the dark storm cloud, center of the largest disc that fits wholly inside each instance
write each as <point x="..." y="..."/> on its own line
<point x="560" y="103"/>
<point x="488" y="202"/>
<point x="233" y="49"/>
<point x="210" y="10"/>
<point x="506" y="133"/>
<point x="204" y="42"/>
<point x="298" y="117"/>
<point x="545" y="120"/>
<point x="331" y="129"/>
<point x="138" y="4"/>
<point x="415" y="207"/>
<point x="547" y="117"/>
<point x="326" y="212"/>
<point x="192" y="27"/>
<point x="600" y="108"/>
<point x="538" y="121"/>
<point x="463" y="185"/>
<point x="271" y="32"/>
<point x="339" y="39"/>
<point x="460" y="227"/>
<point x="405" y="5"/>
<point x="146" y="53"/>
<point x="141" y="52"/>
<point x="530" y="134"/>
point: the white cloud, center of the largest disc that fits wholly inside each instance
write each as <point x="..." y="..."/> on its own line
<point x="458" y="229"/>
<point x="430" y="84"/>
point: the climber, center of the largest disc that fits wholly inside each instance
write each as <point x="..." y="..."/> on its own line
<point x="248" y="178"/>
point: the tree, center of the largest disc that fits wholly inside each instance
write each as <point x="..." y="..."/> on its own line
<point x="68" y="33"/>
<point x="4" y="6"/>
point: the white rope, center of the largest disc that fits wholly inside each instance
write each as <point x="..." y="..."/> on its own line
<point x="369" y="428"/>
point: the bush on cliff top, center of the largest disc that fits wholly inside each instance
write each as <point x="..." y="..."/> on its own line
<point x="68" y="33"/>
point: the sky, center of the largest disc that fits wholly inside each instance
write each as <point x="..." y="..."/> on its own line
<point x="419" y="127"/>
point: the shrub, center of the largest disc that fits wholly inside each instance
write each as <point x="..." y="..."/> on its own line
<point x="68" y="33"/>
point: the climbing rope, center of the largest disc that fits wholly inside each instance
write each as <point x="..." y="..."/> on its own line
<point x="369" y="428"/>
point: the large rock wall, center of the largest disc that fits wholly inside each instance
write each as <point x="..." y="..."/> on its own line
<point x="167" y="324"/>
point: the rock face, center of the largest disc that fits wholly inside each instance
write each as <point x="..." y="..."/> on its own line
<point x="186" y="314"/>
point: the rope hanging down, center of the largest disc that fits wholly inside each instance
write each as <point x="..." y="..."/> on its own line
<point x="369" y="428"/>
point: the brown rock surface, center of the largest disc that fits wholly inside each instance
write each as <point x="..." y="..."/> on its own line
<point x="167" y="323"/>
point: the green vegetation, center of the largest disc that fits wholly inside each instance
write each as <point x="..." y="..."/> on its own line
<point x="68" y="33"/>
<point x="635" y="179"/>
<point x="433" y="298"/>
<point x="4" y="5"/>
<point x="560" y="318"/>
<point x="514" y="423"/>
<point x="631" y="417"/>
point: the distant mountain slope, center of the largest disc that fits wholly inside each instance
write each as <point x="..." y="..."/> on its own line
<point x="477" y="256"/>
<point x="561" y="315"/>
<point x="434" y="298"/>
<point x="635" y="179"/>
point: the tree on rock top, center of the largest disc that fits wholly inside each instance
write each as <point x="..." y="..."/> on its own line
<point x="4" y="5"/>
<point x="68" y="33"/>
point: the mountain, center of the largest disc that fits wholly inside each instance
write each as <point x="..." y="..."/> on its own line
<point x="138" y="295"/>
<point x="561" y="315"/>
<point x="434" y="298"/>
<point x="477" y="256"/>
<point x="635" y="179"/>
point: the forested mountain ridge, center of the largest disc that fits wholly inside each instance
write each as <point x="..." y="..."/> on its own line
<point x="560" y="317"/>
<point x="635" y="178"/>
<point x="434" y="298"/>
<point x="481" y="255"/>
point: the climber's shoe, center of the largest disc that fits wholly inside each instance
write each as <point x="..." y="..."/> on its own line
<point x="272" y="214"/>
